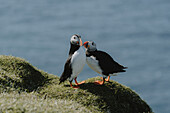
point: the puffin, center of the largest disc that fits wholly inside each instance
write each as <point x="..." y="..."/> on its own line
<point x="75" y="62"/>
<point x="101" y="62"/>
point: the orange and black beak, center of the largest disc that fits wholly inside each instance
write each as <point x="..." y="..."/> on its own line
<point x="81" y="43"/>
<point x="86" y="44"/>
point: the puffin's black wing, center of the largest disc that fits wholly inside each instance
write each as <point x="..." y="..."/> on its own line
<point x="67" y="71"/>
<point x="107" y="64"/>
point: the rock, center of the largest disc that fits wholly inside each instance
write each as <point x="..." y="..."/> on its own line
<point x="18" y="75"/>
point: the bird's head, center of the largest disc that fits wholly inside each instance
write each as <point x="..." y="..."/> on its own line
<point x="90" y="45"/>
<point x="76" y="40"/>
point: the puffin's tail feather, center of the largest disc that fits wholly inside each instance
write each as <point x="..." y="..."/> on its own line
<point x="125" y="67"/>
<point x="123" y="70"/>
<point x="62" y="79"/>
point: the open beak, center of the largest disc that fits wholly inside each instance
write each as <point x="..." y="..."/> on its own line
<point x="86" y="44"/>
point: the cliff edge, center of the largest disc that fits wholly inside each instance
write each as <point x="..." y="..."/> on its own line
<point x="24" y="88"/>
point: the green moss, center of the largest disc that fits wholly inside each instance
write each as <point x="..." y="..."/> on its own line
<point x="17" y="75"/>
<point x="112" y="96"/>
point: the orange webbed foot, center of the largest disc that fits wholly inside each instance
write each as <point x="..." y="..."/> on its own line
<point x="108" y="78"/>
<point x="82" y="82"/>
<point x="75" y="87"/>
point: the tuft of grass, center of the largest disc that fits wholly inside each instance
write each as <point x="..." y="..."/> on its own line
<point x="24" y="88"/>
<point x="31" y="103"/>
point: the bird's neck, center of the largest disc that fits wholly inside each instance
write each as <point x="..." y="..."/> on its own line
<point x="73" y="48"/>
<point x="89" y="53"/>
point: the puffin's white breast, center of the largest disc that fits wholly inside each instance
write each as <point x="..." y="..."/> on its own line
<point x="78" y="61"/>
<point x="94" y="64"/>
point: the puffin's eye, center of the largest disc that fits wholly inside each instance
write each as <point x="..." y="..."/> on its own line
<point x="92" y="43"/>
<point x="74" y="37"/>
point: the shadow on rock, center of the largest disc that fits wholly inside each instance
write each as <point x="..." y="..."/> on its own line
<point x="119" y="99"/>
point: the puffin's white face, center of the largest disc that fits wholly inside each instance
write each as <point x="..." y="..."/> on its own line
<point x="76" y="40"/>
<point x="90" y="46"/>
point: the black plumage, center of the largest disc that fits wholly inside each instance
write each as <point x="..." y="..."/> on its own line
<point x="67" y="67"/>
<point x="106" y="62"/>
<point x="75" y="62"/>
<point x="101" y="62"/>
<point x="67" y="71"/>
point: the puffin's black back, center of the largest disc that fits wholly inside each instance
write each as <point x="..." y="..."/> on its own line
<point x="106" y="62"/>
<point x="67" y="67"/>
<point x="67" y="71"/>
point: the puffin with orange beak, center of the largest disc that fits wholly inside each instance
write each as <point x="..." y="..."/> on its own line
<point x="101" y="62"/>
<point x="75" y="61"/>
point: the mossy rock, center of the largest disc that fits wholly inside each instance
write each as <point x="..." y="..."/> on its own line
<point x="19" y="75"/>
<point x="111" y="97"/>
